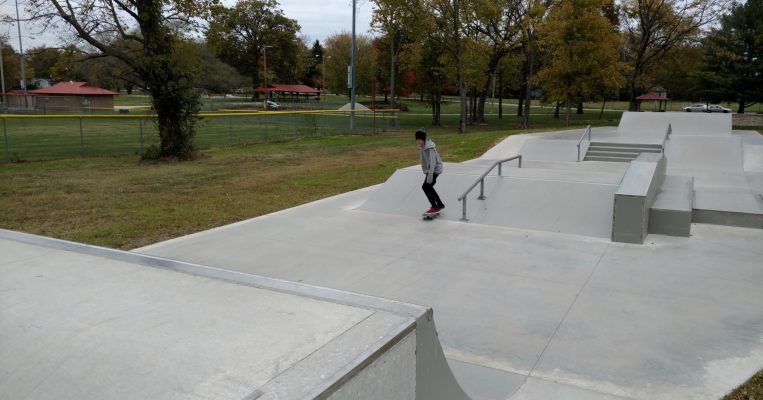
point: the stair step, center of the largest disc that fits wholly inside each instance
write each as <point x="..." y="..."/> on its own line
<point x="596" y="152"/>
<point x="637" y="145"/>
<point x="603" y="158"/>
<point x="624" y="149"/>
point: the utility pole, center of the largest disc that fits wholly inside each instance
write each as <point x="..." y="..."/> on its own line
<point x="352" y="70"/>
<point x="21" y="56"/>
<point x="265" y="62"/>
<point x="2" y="72"/>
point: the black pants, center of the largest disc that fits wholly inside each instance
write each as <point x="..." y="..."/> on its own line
<point x="432" y="196"/>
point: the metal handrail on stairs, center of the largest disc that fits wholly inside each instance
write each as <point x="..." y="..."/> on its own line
<point x="587" y="131"/>
<point x="667" y="134"/>
<point x="481" y="182"/>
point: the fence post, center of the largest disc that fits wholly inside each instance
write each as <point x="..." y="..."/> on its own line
<point x="230" y="133"/>
<point x="140" y="124"/>
<point x="5" y="138"/>
<point x="81" y="140"/>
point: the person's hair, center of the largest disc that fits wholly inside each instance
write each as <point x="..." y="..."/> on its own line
<point x="421" y="134"/>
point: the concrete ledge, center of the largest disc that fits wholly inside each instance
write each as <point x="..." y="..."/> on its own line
<point x="747" y="119"/>
<point x="635" y="196"/>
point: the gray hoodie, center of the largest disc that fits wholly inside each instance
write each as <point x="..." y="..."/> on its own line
<point x="431" y="163"/>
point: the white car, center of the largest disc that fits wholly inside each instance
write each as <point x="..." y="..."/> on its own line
<point x="696" y="108"/>
<point x="716" y="108"/>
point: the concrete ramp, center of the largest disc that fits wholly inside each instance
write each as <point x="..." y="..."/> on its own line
<point x="753" y="158"/>
<point x="84" y="322"/>
<point x="574" y="202"/>
<point x="550" y="150"/>
<point x="653" y="125"/>
<point x="722" y="153"/>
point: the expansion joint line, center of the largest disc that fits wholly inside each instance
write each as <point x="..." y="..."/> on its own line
<point x="559" y="325"/>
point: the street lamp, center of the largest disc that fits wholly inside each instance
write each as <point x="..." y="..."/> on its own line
<point x="265" y="59"/>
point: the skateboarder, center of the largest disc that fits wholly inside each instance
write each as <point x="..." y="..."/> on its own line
<point x="431" y="164"/>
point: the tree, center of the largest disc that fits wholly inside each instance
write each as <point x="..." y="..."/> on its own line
<point x="313" y="74"/>
<point x="338" y="52"/>
<point x="243" y="35"/>
<point x="732" y="67"/>
<point x="217" y="76"/>
<point x="11" y="66"/>
<point x="157" y="29"/>
<point x="532" y="12"/>
<point x="654" y="27"/>
<point x="584" y="53"/>
<point x="499" y="23"/>
<point x="42" y="59"/>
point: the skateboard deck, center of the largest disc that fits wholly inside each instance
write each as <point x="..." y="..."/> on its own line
<point x="429" y="217"/>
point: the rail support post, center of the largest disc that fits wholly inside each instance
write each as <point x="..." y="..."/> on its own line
<point x="463" y="209"/>
<point x="482" y="189"/>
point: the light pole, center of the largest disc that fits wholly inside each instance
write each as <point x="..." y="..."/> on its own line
<point x="352" y="70"/>
<point x="2" y="72"/>
<point x="265" y="61"/>
<point x="21" y="56"/>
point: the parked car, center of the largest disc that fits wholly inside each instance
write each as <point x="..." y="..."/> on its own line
<point x="272" y="105"/>
<point x="696" y="108"/>
<point x="716" y="108"/>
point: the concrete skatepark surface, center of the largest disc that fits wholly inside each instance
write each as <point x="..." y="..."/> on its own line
<point x="531" y="297"/>
<point x="528" y="312"/>
<point x="81" y="322"/>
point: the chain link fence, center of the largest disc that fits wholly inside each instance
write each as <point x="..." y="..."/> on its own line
<point x="45" y="137"/>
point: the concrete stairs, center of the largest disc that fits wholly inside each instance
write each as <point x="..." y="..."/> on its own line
<point x="618" y="152"/>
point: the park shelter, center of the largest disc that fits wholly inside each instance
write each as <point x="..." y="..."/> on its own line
<point x="63" y="97"/>
<point x="289" y="92"/>
<point x="661" y="101"/>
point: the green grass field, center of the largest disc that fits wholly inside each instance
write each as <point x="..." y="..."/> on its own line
<point x="36" y="138"/>
<point x="121" y="202"/>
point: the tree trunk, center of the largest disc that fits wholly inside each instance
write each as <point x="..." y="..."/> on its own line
<point x="741" y="106"/>
<point x="522" y="91"/>
<point x="172" y="93"/>
<point x="632" y="106"/>
<point x="500" y="95"/>
<point x="556" y="109"/>
<point x="528" y="91"/>
<point x="568" y="110"/>
<point x="601" y="113"/>
<point x="392" y="71"/>
<point x="580" y="108"/>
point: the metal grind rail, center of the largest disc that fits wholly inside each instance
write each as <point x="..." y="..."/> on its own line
<point x="667" y="135"/>
<point x="588" y="132"/>
<point x="481" y="182"/>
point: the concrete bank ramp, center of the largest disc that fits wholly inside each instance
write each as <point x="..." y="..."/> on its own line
<point x="84" y="322"/>
<point x="547" y="199"/>
<point x="649" y="124"/>
<point x="714" y="153"/>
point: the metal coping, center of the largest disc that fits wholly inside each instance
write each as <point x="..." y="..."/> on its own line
<point x="257" y="281"/>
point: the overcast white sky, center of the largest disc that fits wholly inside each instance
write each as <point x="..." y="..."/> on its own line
<point x="318" y="19"/>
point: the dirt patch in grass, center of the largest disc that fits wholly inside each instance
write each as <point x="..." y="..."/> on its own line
<point x="123" y="203"/>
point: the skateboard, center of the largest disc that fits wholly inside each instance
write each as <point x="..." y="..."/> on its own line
<point x="429" y="217"/>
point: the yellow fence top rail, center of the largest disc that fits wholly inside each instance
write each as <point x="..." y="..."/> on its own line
<point x="227" y="113"/>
